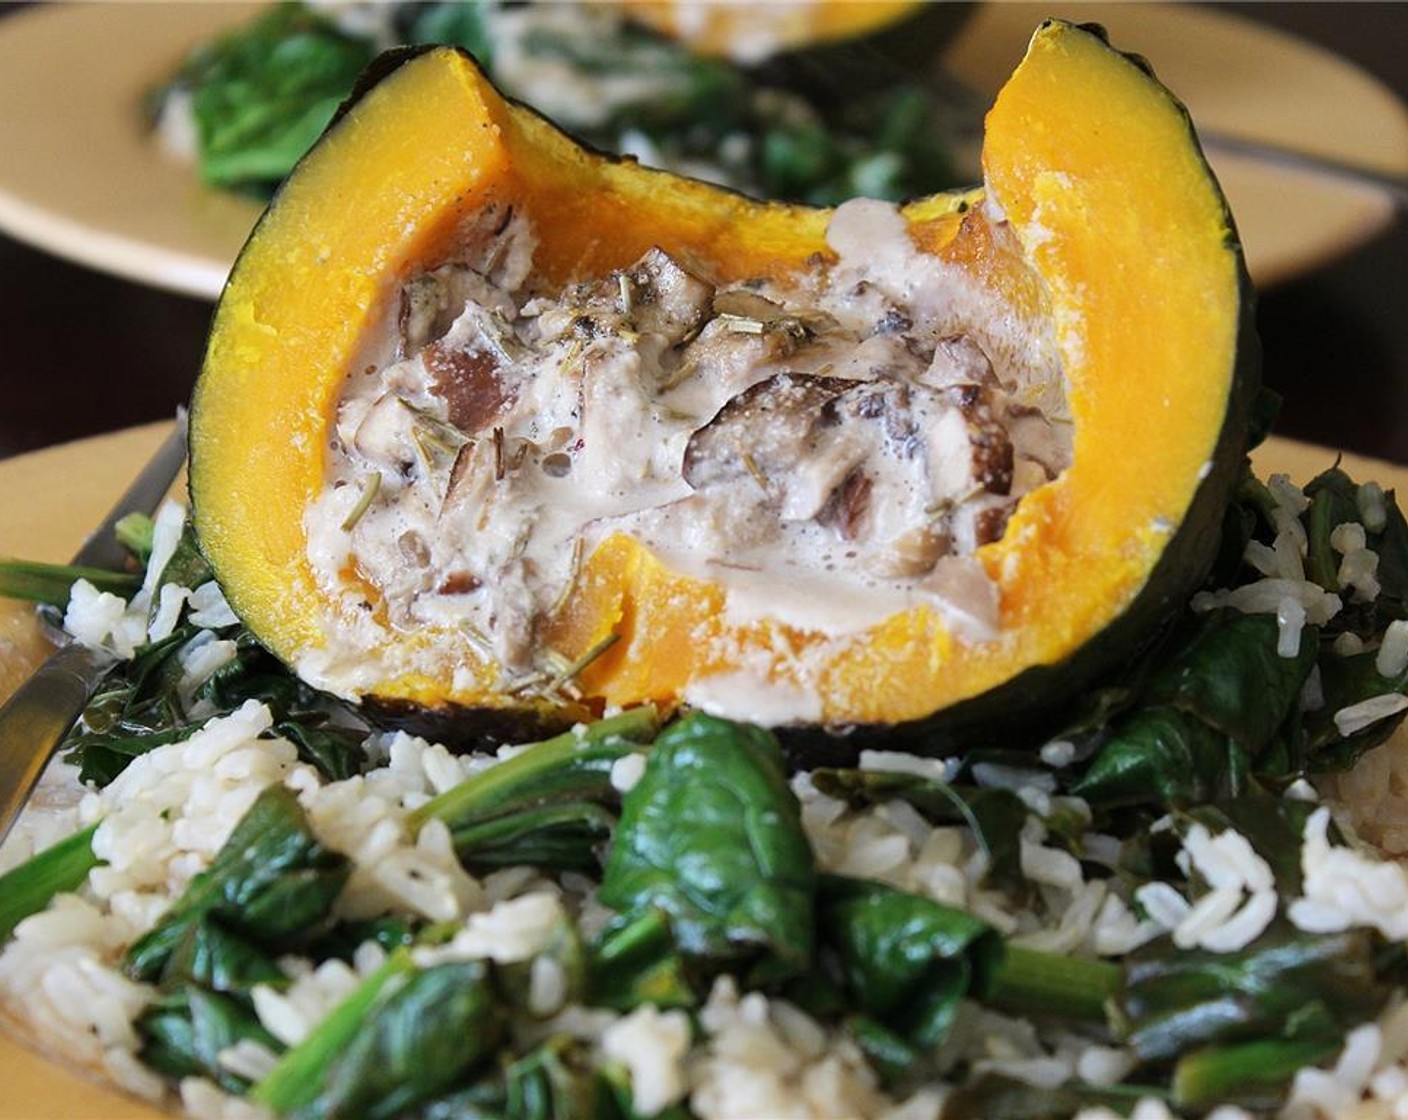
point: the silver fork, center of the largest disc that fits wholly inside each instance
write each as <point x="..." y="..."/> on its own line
<point x="36" y="718"/>
<point x="1395" y="186"/>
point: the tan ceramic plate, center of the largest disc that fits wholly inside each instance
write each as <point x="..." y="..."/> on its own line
<point x="80" y="179"/>
<point x="54" y="496"/>
<point x="1244" y="80"/>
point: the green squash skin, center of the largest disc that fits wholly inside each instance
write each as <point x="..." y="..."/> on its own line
<point x="830" y="72"/>
<point x="1024" y="711"/>
<point x="460" y="727"/>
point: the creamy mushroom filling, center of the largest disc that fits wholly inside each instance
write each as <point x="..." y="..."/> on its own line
<point x="828" y="452"/>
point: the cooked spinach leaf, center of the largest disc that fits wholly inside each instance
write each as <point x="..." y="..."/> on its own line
<point x="140" y="706"/>
<point x="1237" y="1027"/>
<point x="185" y="1031"/>
<point x="711" y="836"/>
<point x="635" y="960"/>
<point x="216" y="959"/>
<point x="298" y="1077"/>
<point x="427" y="1031"/>
<point x="1204" y="717"/>
<point x="30" y="887"/>
<point x="995" y="1096"/>
<point x="341" y="941"/>
<point x="553" y="1081"/>
<point x="1344" y="682"/>
<point x="51" y="584"/>
<point x="262" y="94"/>
<point x="272" y="882"/>
<point x="1253" y="1075"/>
<point x="905" y="960"/>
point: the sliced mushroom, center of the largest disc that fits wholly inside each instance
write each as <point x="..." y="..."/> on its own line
<point x="906" y="470"/>
<point x="459" y="583"/>
<point x="958" y="359"/>
<point x="383" y="435"/>
<point x="762" y="433"/>
<point x="969" y="447"/>
<point x="664" y="298"/>
<point x="469" y="381"/>
<point x="979" y="521"/>
<point x="747" y="338"/>
<point x="845" y="510"/>
<point x="1039" y="441"/>
<point x="432" y="302"/>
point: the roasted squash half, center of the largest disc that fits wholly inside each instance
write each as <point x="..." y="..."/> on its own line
<point x="1099" y="243"/>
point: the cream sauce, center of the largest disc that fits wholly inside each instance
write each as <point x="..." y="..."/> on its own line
<point x="828" y="453"/>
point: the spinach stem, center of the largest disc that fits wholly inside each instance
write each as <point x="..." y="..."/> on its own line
<point x="488" y="787"/>
<point x="1208" y="1076"/>
<point x="28" y="888"/>
<point x="135" y="532"/>
<point x="37" y="582"/>
<point x="297" y="1078"/>
<point x="1036" y="983"/>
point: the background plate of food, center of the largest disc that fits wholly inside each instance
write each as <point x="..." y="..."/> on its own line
<point x="82" y="174"/>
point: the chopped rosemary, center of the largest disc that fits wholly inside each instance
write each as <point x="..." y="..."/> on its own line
<point x="755" y="471"/>
<point x="680" y="376"/>
<point x="741" y="324"/>
<point x="478" y="639"/>
<point x="576" y="668"/>
<point x="949" y="503"/>
<point x="370" y="486"/>
<point x="435" y="440"/>
<point x="527" y="684"/>
<point x="557" y="661"/>
<point x="574" y="573"/>
<point x="437" y="431"/>
<point x="498" y="333"/>
<point x="555" y="675"/>
<point x="425" y="455"/>
<point x="574" y="350"/>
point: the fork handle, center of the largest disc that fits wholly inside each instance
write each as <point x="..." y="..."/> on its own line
<point x="36" y="718"/>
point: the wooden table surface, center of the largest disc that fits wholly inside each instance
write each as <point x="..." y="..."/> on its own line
<point x="82" y="353"/>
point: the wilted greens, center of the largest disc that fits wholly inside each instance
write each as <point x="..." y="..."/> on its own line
<point x="690" y="839"/>
<point x="711" y="836"/>
<point x="272" y="882"/>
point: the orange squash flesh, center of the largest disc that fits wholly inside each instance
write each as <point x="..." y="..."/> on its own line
<point x="1127" y="248"/>
<point x="750" y="31"/>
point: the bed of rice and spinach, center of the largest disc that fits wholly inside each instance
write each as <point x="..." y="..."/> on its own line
<point x="1182" y="900"/>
